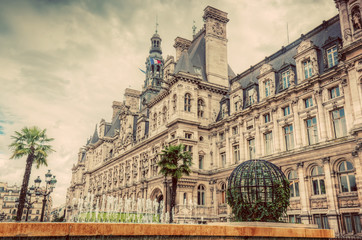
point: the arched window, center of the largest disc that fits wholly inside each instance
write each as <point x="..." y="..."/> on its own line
<point x="201" y="195"/>
<point x="174" y="102"/>
<point x="318" y="181"/>
<point x="223" y="193"/>
<point x="154" y="121"/>
<point x="200" y="108"/>
<point x="294" y="183"/>
<point x="164" y="114"/>
<point x="187" y="102"/>
<point x="346" y="177"/>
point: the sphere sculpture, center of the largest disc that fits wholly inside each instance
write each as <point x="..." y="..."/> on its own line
<point x="258" y="191"/>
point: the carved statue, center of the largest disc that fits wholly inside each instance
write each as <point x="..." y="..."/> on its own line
<point x="254" y="95"/>
<point x="292" y="78"/>
<point x="356" y="19"/>
<point x="315" y="66"/>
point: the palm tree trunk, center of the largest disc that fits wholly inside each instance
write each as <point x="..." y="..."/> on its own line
<point x="173" y="197"/>
<point x="24" y="186"/>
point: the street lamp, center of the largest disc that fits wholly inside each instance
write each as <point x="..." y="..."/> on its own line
<point x="29" y="203"/>
<point x="49" y="183"/>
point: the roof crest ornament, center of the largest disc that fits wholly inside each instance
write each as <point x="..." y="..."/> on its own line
<point x="194" y="29"/>
<point x="156" y="23"/>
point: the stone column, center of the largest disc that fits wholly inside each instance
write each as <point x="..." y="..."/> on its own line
<point x="297" y="135"/>
<point x="229" y="157"/>
<point x="213" y="155"/>
<point x="321" y="117"/>
<point x="258" y="139"/>
<point x="276" y="138"/>
<point x="331" y="196"/>
<point x="344" y="21"/>
<point x="357" y="157"/>
<point x="242" y="142"/>
<point x="303" y="195"/>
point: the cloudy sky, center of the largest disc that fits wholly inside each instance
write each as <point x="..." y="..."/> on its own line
<point x="64" y="62"/>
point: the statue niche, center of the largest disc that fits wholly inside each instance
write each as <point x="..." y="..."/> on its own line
<point x="356" y="18"/>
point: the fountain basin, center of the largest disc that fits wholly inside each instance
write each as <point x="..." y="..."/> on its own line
<point x="154" y="231"/>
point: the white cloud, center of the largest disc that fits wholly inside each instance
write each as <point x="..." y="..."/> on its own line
<point x="64" y="62"/>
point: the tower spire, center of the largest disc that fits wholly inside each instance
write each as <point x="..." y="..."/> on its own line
<point x="156" y="23"/>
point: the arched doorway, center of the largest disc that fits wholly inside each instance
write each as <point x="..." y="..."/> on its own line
<point x="158" y="196"/>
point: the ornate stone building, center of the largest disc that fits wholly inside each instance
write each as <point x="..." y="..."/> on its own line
<point x="299" y="108"/>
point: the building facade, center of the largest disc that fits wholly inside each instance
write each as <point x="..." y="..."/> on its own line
<point x="299" y="108"/>
<point x="9" y="199"/>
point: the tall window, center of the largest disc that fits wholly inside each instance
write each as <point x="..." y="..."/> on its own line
<point x="288" y="135"/>
<point x="308" y="102"/>
<point x="312" y="131"/>
<point x="307" y="65"/>
<point x="223" y="193"/>
<point x="236" y="151"/>
<point x="267" y="84"/>
<point x="251" y="143"/>
<point x="164" y="115"/>
<point x="286" y="111"/>
<point x="223" y="159"/>
<point x="268" y="143"/>
<point x="267" y="118"/>
<point x="318" y="181"/>
<point x="201" y="195"/>
<point x="174" y="102"/>
<point x="187" y="107"/>
<point x="321" y="220"/>
<point x="352" y="222"/>
<point x="339" y="123"/>
<point x="286" y="79"/>
<point x="294" y="183"/>
<point x="334" y="92"/>
<point x="200" y="108"/>
<point x="332" y="56"/>
<point x="201" y="162"/>
<point x="347" y="177"/>
<point x="155" y="121"/>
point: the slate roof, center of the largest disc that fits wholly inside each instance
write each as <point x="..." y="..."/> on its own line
<point x="115" y="125"/>
<point x="195" y="57"/>
<point x="95" y="136"/>
<point x="285" y="56"/>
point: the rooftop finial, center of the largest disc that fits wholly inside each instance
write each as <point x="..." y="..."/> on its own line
<point x="156" y="23"/>
<point x="194" y="29"/>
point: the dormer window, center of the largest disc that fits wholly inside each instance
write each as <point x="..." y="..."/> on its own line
<point x="267" y="84"/>
<point x="307" y="66"/>
<point x="332" y="56"/>
<point x="285" y="79"/>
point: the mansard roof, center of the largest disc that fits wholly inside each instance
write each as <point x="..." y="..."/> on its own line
<point x="195" y="57"/>
<point x="285" y="56"/>
<point x="95" y="136"/>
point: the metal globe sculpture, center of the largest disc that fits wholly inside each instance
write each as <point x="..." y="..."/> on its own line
<point x="258" y="191"/>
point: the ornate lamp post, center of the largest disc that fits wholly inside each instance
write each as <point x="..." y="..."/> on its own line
<point x="50" y="183"/>
<point x="28" y="202"/>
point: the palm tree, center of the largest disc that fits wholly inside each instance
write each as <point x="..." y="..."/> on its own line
<point x="30" y="142"/>
<point x="175" y="162"/>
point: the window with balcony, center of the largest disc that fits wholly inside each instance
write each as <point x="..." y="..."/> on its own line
<point x="288" y="137"/>
<point x="317" y="175"/>
<point x="294" y="183"/>
<point x="347" y="177"/>
<point x="308" y="102"/>
<point x="321" y="220"/>
<point x="266" y="118"/>
<point x="286" y="111"/>
<point x="312" y="131"/>
<point x="268" y="138"/>
<point x="339" y="123"/>
<point x="236" y="154"/>
<point x="351" y="223"/>
<point x="334" y="92"/>
<point x="332" y="56"/>
<point x="294" y="219"/>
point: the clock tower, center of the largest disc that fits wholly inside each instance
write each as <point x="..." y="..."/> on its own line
<point x="216" y="46"/>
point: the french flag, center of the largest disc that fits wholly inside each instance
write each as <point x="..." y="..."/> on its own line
<point x="155" y="61"/>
